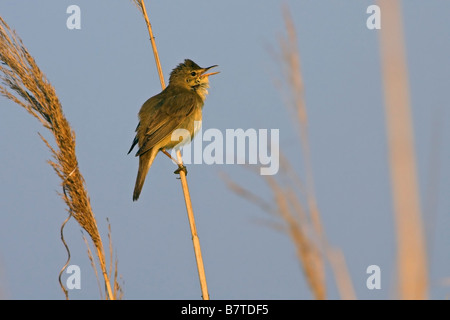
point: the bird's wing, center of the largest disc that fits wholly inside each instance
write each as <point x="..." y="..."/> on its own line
<point x="136" y="140"/>
<point x="161" y="120"/>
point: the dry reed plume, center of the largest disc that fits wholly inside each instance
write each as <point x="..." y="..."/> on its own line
<point x="300" y="219"/>
<point x="25" y="84"/>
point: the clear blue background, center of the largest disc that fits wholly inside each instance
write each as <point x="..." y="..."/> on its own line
<point x="105" y="71"/>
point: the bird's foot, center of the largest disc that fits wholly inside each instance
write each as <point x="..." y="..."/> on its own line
<point x="181" y="168"/>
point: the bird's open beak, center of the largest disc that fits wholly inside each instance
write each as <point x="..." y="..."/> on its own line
<point x="209" y="74"/>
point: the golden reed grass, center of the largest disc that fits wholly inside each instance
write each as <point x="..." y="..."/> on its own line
<point x="113" y="268"/>
<point x="25" y="84"/>
<point x="412" y="273"/>
<point x="187" y="198"/>
<point x="300" y="219"/>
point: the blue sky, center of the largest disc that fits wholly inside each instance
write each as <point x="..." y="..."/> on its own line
<point x="105" y="71"/>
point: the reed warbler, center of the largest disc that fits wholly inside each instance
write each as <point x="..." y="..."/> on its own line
<point x="178" y="106"/>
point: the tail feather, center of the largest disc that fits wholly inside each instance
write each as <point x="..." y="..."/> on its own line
<point x="145" y="162"/>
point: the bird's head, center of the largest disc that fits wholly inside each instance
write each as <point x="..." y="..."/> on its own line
<point x="191" y="76"/>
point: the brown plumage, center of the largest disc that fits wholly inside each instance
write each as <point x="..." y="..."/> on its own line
<point x="178" y="106"/>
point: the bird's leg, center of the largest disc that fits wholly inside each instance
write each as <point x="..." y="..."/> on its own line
<point x="181" y="167"/>
<point x="163" y="150"/>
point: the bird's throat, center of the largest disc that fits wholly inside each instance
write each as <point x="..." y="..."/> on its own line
<point x="201" y="90"/>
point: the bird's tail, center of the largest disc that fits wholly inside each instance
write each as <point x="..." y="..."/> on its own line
<point x="145" y="162"/>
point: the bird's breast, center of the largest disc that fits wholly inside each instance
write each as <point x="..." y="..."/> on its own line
<point x="197" y="116"/>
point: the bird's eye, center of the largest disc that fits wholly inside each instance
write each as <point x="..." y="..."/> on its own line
<point x="193" y="73"/>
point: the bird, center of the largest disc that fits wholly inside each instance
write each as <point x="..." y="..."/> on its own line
<point x="178" y="106"/>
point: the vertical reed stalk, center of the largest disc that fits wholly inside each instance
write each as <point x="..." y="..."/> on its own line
<point x="411" y="248"/>
<point x="195" y="240"/>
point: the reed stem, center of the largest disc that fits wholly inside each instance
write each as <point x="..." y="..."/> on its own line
<point x="411" y="249"/>
<point x="184" y="185"/>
